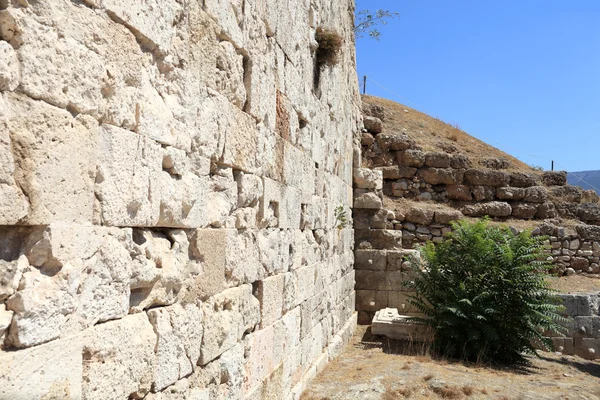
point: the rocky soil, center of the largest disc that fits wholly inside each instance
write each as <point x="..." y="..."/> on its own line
<point x="376" y="368"/>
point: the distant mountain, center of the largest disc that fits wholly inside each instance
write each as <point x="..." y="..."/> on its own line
<point x="585" y="179"/>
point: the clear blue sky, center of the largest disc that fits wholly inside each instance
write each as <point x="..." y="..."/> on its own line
<point x="522" y="75"/>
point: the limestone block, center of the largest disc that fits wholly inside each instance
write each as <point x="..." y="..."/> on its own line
<point x="179" y="331"/>
<point x="392" y="141"/>
<point x="42" y="307"/>
<point x="397" y="172"/>
<point x="487" y="178"/>
<point x="227" y="315"/>
<point x="365" y="178"/>
<point x="161" y="268"/>
<point x="446" y="216"/>
<point x="225" y="12"/>
<point x="280" y="205"/>
<point x="250" y="189"/>
<point x="522" y="179"/>
<point x="5" y="321"/>
<point x="274" y="249"/>
<point x="188" y="200"/>
<point x="49" y="371"/>
<point x="269" y="292"/>
<point x="305" y="277"/>
<point x="437" y="160"/>
<point x="554" y="178"/>
<point x="126" y="184"/>
<point x="371" y="300"/>
<point x="232" y="372"/>
<point x="510" y="193"/>
<point x="524" y="210"/>
<point x="588" y="348"/>
<point x="119" y="358"/>
<point x="378" y="239"/>
<point x="412" y="158"/>
<point x="459" y="192"/>
<point x="569" y="193"/>
<point x="373" y="124"/>
<point x="298" y="171"/>
<point x="400" y="260"/>
<point x="260" y="345"/>
<point x="54" y="154"/>
<point x="10" y="276"/>
<point x="546" y="210"/>
<point x="591" y="232"/>
<point x="390" y="323"/>
<point x="370" y="259"/>
<point x="153" y="23"/>
<point x="10" y="70"/>
<point x="459" y="161"/>
<point x="535" y="194"/>
<point x="441" y="176"/>
<point x="493" y="209"/>
<point x="261" y="88"/>
<point x="229" y="78"/>
<point x="420" y="216"/>
<point x="367" y="200"/>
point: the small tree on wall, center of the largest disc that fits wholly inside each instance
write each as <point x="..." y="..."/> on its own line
<point x="365" y="22"/>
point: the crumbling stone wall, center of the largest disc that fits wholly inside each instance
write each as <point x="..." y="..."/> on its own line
<point x="169" y="175"/>
<point x="405" y="197"/>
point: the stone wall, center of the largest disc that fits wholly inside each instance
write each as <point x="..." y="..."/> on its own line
<point x="582" y="336"/>
<point x="170" y="171"/>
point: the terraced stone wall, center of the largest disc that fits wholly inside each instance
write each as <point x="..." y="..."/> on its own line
<point x="170" y="171"/>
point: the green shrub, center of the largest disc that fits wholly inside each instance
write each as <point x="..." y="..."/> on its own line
<point x="330" y="45"/>
<point x="484" y="292"/>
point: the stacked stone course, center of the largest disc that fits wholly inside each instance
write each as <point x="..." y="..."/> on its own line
<point x="169" y="176"/>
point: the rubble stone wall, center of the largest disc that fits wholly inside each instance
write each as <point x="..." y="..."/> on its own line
<point x="169" y="176"/>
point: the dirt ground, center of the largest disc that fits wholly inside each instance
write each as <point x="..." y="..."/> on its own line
<point x="376" y="368"/>
<point x="576" y="284"/>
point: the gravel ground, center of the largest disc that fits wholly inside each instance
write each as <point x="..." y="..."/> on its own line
<point x="376" y="368"/>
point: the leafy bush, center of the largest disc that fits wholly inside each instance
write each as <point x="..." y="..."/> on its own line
<point x="330" y="45"/>
<point x="483" y="291"/>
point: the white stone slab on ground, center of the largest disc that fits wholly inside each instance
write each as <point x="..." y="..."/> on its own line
<point x="388" y="322"/>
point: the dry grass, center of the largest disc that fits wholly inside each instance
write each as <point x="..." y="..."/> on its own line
<point x="433" y="134"/>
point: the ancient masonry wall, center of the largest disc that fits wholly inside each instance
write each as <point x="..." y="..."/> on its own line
<point x="169" y="175"/>
<point x="425" y="191"/>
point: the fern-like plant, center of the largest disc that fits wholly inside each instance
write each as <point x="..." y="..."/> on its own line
<point x="484" y="292"/>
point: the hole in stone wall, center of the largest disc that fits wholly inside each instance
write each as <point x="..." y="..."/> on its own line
<point x="247" y="75"/>
<point x="302" y="122"/>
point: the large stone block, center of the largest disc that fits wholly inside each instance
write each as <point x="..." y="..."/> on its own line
<point x="554" y="178"/>
<point x="227" y="315"/>
<point x="299" y="171"/>
<point x="49" y="371"/>
<point x="487" y="178"/>
<point x="280" y="205"/>
<point x="441" y="176"/>
<point x="492" y="209"/>
<point x="370" y="259"/>
<point x="371" y="300"/>
<point x="365" y="178"/>
<point x="119" y="359"/>
<point x="54" y="154"/>
<point x="380" y="239"/>
<point x="269" y="292"/>
<point x="126" y="184"/>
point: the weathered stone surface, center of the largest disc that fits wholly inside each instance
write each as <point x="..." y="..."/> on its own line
<point x="554" y="178"/>
<point x="368" y="200"/>
<point x="441" y="176"/>
<point x="393" y="141"/>
<point x="524" y="210"/>
<point x="397" y="172"/>
<point x="522" y="179"/>
<point x="484" y="193"/>
<point x="412" y="158"/>
<point x="373" y="124"/>
<point x="422" y="216"/>
<point x="510" y="193"/>
<point x="546" y="210"/>
<point x="460" y="161"/>
<point x="50" y="371"/>
<point x="227" y="315"/>
<point x="492" y="209"/>
<point x="119" y="359"/>
<point x="487" y="178"/>
<point x="365" y="178"/>
<point x="378" y="239"/>
<point x="573" y="194"/>
<point x="446" y="216"/>
<point x="437" y="160"/>
<point x="535" y="194"/>
<point x="54" y="154"/>
<point x="459" y="192"/>
<point x="10" y="70"/>
<point x="269" y="293"/>
<point x="370" y="259"/>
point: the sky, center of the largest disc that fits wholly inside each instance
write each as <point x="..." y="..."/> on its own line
<point x="521" y="75"/>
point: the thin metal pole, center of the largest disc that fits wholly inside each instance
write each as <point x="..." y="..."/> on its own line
<point x="552" y="165"/>
<point x="365" y="84"/>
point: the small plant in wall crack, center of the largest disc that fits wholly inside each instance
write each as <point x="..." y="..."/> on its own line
<point x="341" y="219"/>
<point x="330" y="45"/>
